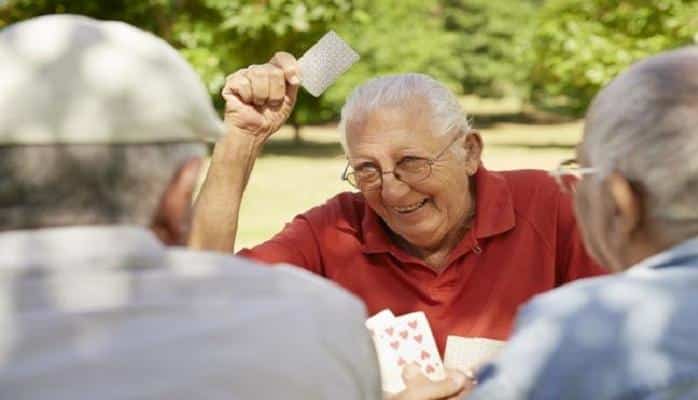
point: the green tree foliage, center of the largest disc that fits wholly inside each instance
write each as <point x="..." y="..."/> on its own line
<point x="395" y="37"/>
<point x="216" y="36"/>
<point x="580" y="45"/>
<point x="492" y="39"/>
<point x="222" y="36"/>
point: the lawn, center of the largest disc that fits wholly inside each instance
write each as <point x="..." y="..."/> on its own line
<point x="289" y="179"/>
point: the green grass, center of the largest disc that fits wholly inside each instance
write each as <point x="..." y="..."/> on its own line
<point x="289" y="179"/>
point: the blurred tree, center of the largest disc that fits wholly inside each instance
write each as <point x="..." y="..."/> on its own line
<point x="216" y="36"/>
<point x="223" y="35"/>
<point x="580" y="45"/>
<point x="492" y="38"/>
<point x="395" y="37"/>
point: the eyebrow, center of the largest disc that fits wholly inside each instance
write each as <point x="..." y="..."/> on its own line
<point x="411" y="149"/>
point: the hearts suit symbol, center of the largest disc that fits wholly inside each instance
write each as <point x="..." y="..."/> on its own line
<point x="389" y="331"/>
<point x="412" y="324"/>
<point x="395" y="344"/>
<point x="429" y="369"/>
<point x="418" y="338"/>
<point x="401" y="362"/>
<point x="425" y="354"/>
<point x="404" y="334"/>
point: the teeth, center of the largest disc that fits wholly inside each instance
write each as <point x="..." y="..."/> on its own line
<point x="410" y="207"/>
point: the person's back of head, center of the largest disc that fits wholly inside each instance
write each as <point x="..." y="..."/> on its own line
<point x="100" y="119"/>
<point x="641" y="135"/>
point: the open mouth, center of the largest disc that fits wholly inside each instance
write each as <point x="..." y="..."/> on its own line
<point x="411" y="208"/>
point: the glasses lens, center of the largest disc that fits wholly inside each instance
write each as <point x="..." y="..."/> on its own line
<point x="352" y="179"/>
<point x="413" y="170"/>
<point x="367" y="178"/>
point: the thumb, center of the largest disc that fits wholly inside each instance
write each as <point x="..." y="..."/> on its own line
<point x="291" y="96"/>
<point x="423" y="388"/>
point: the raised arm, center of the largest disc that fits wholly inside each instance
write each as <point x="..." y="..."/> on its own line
<point x="258" y="100"/>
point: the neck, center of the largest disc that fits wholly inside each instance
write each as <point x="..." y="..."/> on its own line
<point x="645" y="246"/>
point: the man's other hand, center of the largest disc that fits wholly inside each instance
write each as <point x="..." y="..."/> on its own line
<point x="419" y="387"/>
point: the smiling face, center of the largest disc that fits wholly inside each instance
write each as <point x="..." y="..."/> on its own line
<point x="430" y="213"/>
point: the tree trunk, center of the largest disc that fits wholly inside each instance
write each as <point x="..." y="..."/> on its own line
<point x="297" y="139"/>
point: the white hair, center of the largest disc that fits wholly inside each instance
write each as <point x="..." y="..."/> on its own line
<point x="644" y="125"/>
<point x="400" y="90"/>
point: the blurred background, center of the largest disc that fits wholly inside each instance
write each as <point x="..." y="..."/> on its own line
<point x="524" y="69"/>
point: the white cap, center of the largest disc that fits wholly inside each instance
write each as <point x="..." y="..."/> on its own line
<point x="73" y="79"/>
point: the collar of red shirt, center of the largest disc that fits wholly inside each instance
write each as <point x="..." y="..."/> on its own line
<point x="494" y="214"/>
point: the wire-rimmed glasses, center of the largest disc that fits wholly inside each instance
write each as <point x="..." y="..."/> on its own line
<point x="410" y="170"/>
<point x="568" y="173"/>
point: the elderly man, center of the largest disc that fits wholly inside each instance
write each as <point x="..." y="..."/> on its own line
<point x="429" y="228"/>
<point x="632" y="335"/>
<point x="101" y="131"/>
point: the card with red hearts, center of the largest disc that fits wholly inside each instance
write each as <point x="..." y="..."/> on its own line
<point x="417" y="345"/>
<point x="403" y="340"/>
<point x="383" y="333"/>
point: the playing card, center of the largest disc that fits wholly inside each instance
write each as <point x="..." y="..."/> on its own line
<point x="323" y="63"/>
<point x="416" y="345"/>
<point x="469" y="354"/>
<point x="383" y="334"/>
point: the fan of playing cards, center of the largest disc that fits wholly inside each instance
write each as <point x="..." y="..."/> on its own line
<point x="408" y="339"/>
<point x="403" y="340"/>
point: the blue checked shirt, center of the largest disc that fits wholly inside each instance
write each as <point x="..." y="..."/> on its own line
<point x="632" y="335"/>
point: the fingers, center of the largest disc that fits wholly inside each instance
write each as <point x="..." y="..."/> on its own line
<point x="277" y="86"/>
<point x="238" y="84"/>
<point x="418" y="386"/>
<point x="412" y="373"/>
<point x="266" y="84"/>
<point x="288" y="64"/>
<point x="259" y="81"/>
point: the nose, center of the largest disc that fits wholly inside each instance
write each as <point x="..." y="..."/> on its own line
<point x="393" y="188"/>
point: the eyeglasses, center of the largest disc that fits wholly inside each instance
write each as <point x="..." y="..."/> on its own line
<point x="410" y="170"/>
<point x="568" y="173"/>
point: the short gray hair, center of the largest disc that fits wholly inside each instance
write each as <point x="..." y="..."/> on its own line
<point x="83" y="184"/>
<point x="645" y="126"/>
<point x="400" y="90"/>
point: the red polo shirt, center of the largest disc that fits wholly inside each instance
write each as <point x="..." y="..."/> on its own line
<point x="524" y="241"/>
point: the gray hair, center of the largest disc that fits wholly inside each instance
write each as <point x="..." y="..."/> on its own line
<point x="400" y="90"/>
<point x="644" y="125"/>
<point x="85" y="184"/>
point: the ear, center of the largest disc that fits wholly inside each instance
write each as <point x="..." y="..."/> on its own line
<point x="173" y="215"/>
<point x="473" y="151"/>
<point x="627" y="204"/>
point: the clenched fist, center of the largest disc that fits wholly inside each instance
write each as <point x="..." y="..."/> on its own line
<point x="260" y="98"/>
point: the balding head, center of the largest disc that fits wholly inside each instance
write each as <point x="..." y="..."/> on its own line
<point x="644" y="126"/>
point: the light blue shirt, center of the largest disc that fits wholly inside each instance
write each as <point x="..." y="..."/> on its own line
<point x="109" y="313"/>
<point x="632" y="335"/>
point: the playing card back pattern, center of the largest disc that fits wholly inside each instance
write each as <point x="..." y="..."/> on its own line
<point x="323" y="63"/>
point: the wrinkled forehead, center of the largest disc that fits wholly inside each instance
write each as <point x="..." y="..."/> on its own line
<point x="410" y="121"/>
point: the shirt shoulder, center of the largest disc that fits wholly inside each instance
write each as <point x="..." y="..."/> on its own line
<point x="249" y="277"/>
<point x="539" y="204"/>
<point x="345" y="210"/>
<point x="600" y="338"/>
<point x="214" y="312"/>
<point x="531" y="188"/>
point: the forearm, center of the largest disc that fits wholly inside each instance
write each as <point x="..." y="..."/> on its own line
<point x="216" y="212"/>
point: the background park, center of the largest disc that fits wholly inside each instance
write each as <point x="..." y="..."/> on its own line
<point x="525" y="69"/>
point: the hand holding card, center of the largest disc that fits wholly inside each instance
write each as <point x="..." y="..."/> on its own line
<point x="401" y="341"/>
